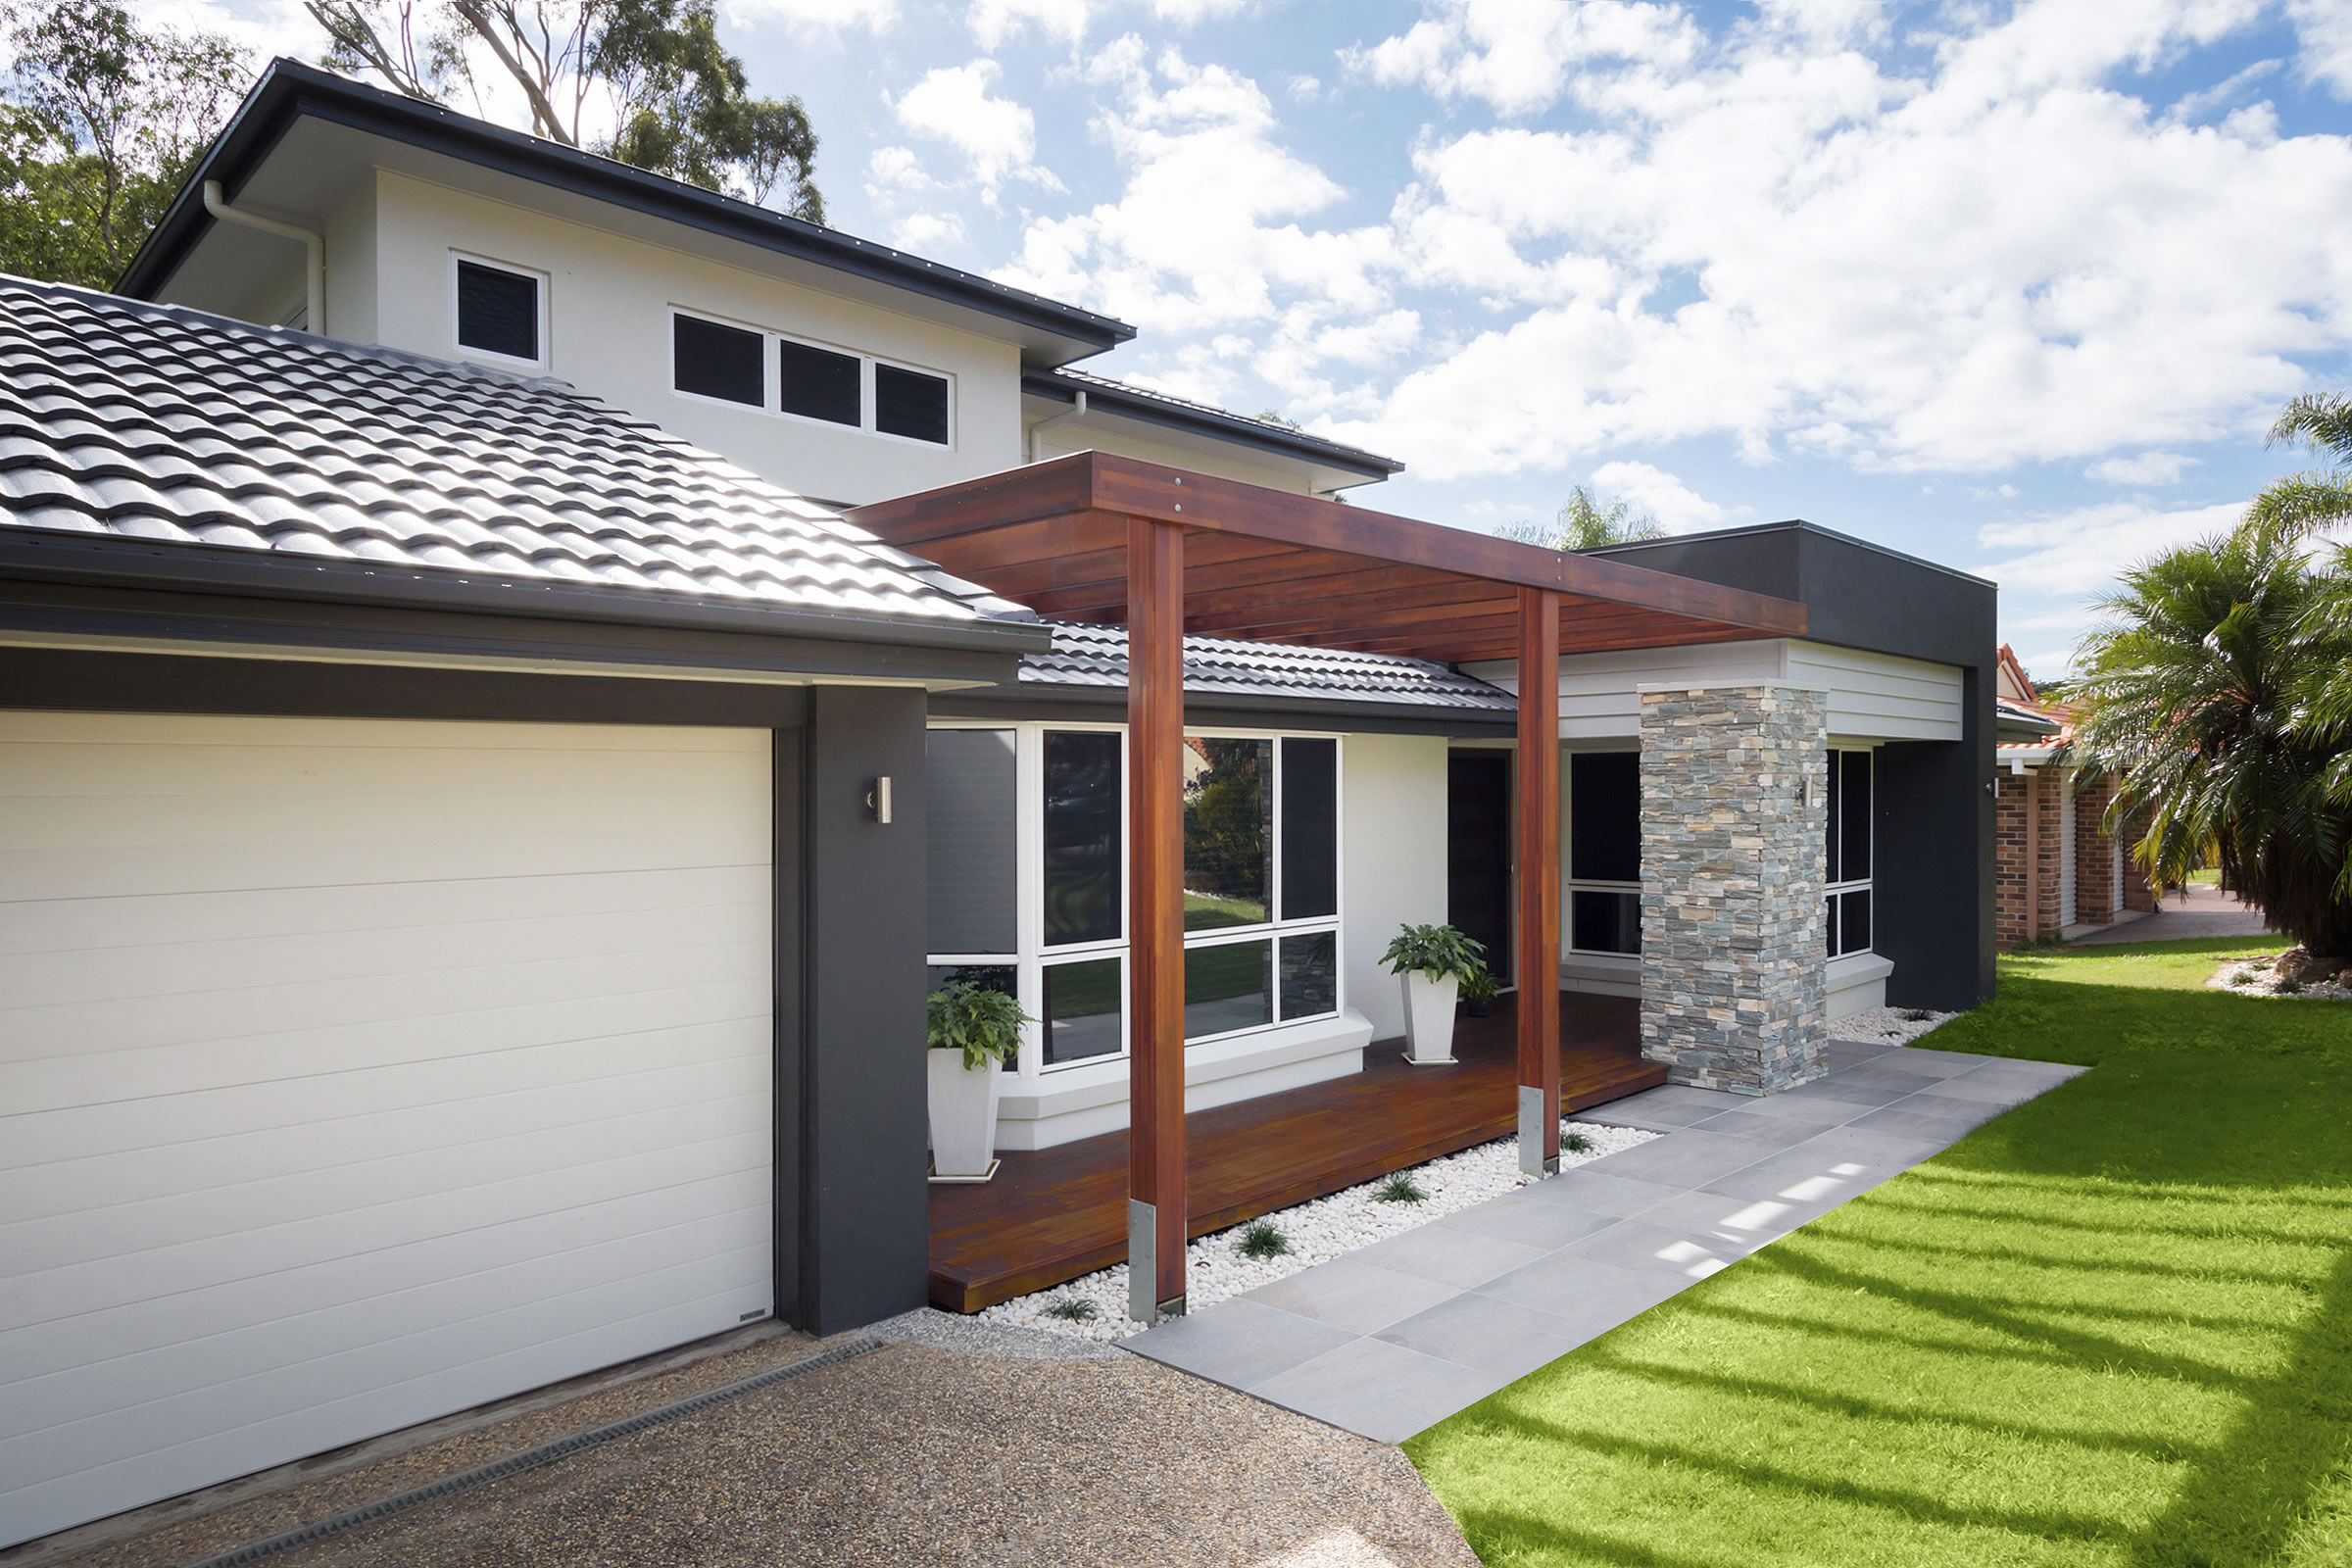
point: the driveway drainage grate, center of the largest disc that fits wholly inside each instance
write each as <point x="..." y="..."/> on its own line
<point x="528" y="1458"/>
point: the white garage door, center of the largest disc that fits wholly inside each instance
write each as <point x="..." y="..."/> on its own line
<point x="357" y="1071"/>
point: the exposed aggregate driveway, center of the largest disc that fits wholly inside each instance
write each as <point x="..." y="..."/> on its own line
<point x="915" y="1454"/>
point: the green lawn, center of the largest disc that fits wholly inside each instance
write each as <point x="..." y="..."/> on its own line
<point x="2112" y="1327"/>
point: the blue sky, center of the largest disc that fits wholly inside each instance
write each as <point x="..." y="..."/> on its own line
<point x="2016" y="287"/>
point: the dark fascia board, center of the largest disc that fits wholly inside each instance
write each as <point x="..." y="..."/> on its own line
<point x="1790" y="525"/>
<point x="1234" y="427"/>
<point x="110" y="561"/>
<point x="1109" y="706"/>
<point x="288" y="90"/>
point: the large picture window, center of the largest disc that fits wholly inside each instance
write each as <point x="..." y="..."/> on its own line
<point x="1028" y="880"/>
<point x="1604" y="852"/>
<point x="1848" y="903"/>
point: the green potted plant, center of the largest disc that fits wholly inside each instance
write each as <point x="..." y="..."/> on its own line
<point x="1480" y="987"/>
<point x="1429" y="960"/>
<point x="972" y="1031"/>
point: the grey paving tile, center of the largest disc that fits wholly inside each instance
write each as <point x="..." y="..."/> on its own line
<point x="1656" y="1251"/>
<point x="1877" y="1074"/>
<point x="1873" y="1156"/>
<point x="1449" y="1255"/>
<point x="1380" y="1390"/>
<point x="1589" y="1297"/>
<point x="1486" y="1334"/>
<point x="1781" y="1129"/>
<point x="1824" y="1109"/>
<point x="1842" y="1089"/>
<point x="1674" y="1105"/>
<point x="1737" y="1225"/>
<point x="1930" y="1063"/>
<point x="1686" y="1157"/>
<point x="1238" y="1343"/>
<point x="1588" y="1190"/>
<point x="1844" y="1051"/>
<point x="1351" y="1293"/>
<point x="1530" y="1221"/>
<point x="1927" y="1125"/>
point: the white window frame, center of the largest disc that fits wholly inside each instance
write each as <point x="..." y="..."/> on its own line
<point x="771" y="387"/>
<point x="542" y="286"/>
<point x="1833" y="911"/>
<point x="1033" y="956"/>
<point x="1570" y="884"/>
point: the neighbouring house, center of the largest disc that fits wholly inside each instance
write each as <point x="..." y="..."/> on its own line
<point x="2062" y="869"/>
<point x="461" y="928"/>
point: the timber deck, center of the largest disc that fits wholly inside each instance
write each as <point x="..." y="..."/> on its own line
<point x="1057" y="1213"/>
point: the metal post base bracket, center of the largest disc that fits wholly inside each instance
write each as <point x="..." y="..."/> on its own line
<point x="1539" y="1145"/>
<point x="1143" y="1259"/>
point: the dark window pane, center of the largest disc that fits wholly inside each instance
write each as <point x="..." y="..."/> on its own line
<point x="1828" y="923"/>
<point x="1604" y="922"/>
<point x="1853" y="818"/>
<point x="1310" y="975"/>
<point x="1478" y="853"/>
<point x="1604" y="816"/>
<point x="1830" y="872"/>
<point x="1310" y="828"/>
<point x="818" y="384"/>
<point x="717" y="362"/>
<point x="1228" y="988"/>
<point x="1082" y="1010"/>
<point x="986" y="977"/>
<point x="970" y="841"/>
<point x="1082" y="837"/>
<point x="909" y="403"/>
<point x="1853" y="922"/>
<point x="1228" y="831"/>
<point x="498" y="311"/>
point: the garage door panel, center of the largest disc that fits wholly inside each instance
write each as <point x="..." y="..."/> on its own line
<point x="74" y="1137"/>
<point x="314" y="1427"/>
<point x="437" y="1125"/>
<point x="61" y="1423"/>
<point x="211" y="1209"/>
<point x="497" y="1264"/>
<point x="202" y="954"/>
<point x="360" y="1071"/>
<point x="569" y="1203"/>
<point x="225" y="1059"/>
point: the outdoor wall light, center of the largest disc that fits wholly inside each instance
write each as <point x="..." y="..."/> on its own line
<point x="877" y="799"/>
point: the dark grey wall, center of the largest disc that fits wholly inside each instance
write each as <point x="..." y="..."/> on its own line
<point x="1933" y="869"/>
<point x="864" y="1221"/>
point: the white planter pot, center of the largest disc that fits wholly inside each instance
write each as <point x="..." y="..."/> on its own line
<point x="1428" y="1016"/>
<point x="964" y="1114"/>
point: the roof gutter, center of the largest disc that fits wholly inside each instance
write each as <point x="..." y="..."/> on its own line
<point x="313" y="319"/>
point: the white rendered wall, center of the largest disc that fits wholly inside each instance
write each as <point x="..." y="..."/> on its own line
<point x="1872" y="696"/>
<point x="1394" y="860"/>
<point x="609" y="305"/>
<point x="1097" y="434"/>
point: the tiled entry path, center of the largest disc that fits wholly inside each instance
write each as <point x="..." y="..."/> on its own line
<point x="1403" y="1333"/>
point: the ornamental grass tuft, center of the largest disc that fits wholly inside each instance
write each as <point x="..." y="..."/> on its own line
<point x="1399" y="1188"/>
<point x="1574" y="1142"/>
<point x="1261" y="1240"/>
<point x="1073" y="1309"/>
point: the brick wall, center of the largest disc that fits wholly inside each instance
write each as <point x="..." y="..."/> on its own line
<point x="2027" y="857"/>
<point x="2094" y="851"/>
<point x="2009" y="929"/>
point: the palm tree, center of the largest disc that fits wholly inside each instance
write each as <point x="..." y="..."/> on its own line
<point x="1584" y="523"/>
<point x="2196" y="693"/>
<point x="2304" y="503"/>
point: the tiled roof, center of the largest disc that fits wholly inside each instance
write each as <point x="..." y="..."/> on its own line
<point x="1097" y="655"/>
<point x="154" y="424"/>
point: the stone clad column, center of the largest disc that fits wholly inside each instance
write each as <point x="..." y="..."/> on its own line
<point x="1734" y="821"/>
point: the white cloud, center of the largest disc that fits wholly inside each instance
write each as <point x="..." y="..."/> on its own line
<point x="1678" y="508"/>
<point x="1519" y="55"/>
<point x="995" y="20"/>
<point x="831" y="18"/>
<point x="1187" y="12"/>
<point x="2323" y="27"/>
<point x="926" y="231"/>
<point x="2145" y="468"/>
<point x="893" y="171"/>
<point x="1998" y="256"/>
<point x="2080" y="551"/>
<point x="996" y="136"/>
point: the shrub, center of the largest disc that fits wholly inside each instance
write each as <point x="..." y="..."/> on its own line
<point x="1436" y="950"/>
<point x="985" y="1025"/>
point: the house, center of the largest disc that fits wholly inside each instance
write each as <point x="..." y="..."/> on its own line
<point x="491" y="783"/>
<point x="2064" y="868"/>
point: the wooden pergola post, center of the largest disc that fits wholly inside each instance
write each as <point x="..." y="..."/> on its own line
<point x="1539" y="847"/>
<point x="1155" y="1173"/>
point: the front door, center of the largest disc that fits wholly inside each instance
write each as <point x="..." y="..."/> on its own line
<point x="1478" y="852"/>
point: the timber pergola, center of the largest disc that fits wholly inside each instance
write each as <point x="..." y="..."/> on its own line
<point x="1165" y="553"/>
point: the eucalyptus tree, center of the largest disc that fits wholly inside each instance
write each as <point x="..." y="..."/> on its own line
<point x="1584" y="523"/>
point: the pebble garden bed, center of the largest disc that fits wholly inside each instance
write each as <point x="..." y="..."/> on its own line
<point x="1221" y="1266"/>
<point x="1896" y="1026"/>
<point x="2260" y="977"/>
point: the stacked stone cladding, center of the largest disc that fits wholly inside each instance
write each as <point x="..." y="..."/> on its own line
<point x="1734" y="793"/>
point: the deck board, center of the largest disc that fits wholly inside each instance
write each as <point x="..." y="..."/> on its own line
<point x="1054" y="1214"/>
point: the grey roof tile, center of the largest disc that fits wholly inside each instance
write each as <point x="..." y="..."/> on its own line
<point x="1097" y="655"/>
<point x="156" y="423"/>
